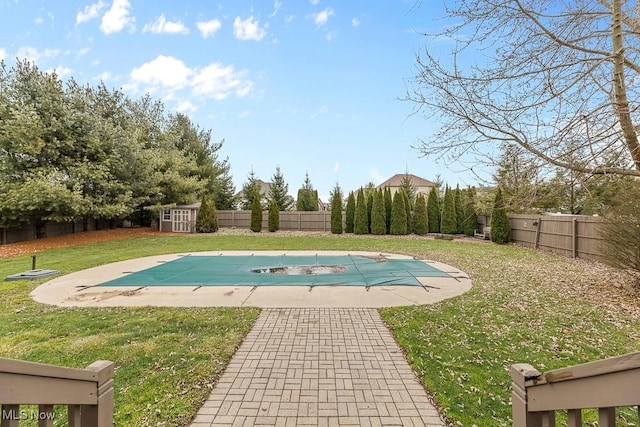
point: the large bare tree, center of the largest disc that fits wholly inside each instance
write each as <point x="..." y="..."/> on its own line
<point x="560" y="79"/>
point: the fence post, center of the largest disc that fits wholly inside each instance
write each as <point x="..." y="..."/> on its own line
<point x="101" y="415"/>
<point x="538" y="227"/>
<point x="520" y="373"/>
<point x="574" y="232"/>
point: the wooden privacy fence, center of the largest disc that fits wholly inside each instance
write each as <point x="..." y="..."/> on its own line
<point x="302" y="221"/>
<point x="88" y="393"/>
<point x="571" y="236"/>
<point x="603" y="385"/>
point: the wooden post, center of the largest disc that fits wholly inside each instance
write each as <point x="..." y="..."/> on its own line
<point x="520" y="373"/>
<point x="607" y="417"/>
<point x="45" y="416"/>
<point x="538" y="227"/>
<point x="100" y="415"/>
<point x="10" y="416"/>
<point x="299" y="222"/>
<point x="574" y="235"/>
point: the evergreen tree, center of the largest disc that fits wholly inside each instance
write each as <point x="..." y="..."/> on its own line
<point x="470" y="216"/>
<point x="409" y="188"/>
<point x="250" y="188"/>
<point x="336" y="210"/>
<point x="370" y="193"/>
<point x="378" y="214"/>
<point x="207" y="219"/>
<point x="274" y="216"/>
<point x="361" y="224"/>
<point x="433" y="211"/>
<point x="407" y="208"/>
<point x="500" y="225"/>
<point x="457" y="202"/>
<point x="448" y="222"/>
<point x="388" y="202"/>
<point x="351" y="213"/>
<point x="256" y="213"/>
<point x="421" y="225"/>
<point x="398" y="215"/>
<point x="278" y="191"/>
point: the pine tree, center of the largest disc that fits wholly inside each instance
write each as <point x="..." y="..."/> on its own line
<point x="388" y="203"/>
<point x="420" y="220"/>
<point x="274" y="216"/>
<point x="307" y="196"/>
<point x="409" y="188"/>
<point x="470" y="215"/>
<point x="378" y="214"/>
<point x="433" y="211"/>
<point x="398" y="215"/>
<point x="207" y="219"/>
<point x="500" y="226"/>
<point x="351" y="213"/>
<point x="336" y="210"/>
<point x="448" y="222"/>
<point x="250" y="188"/>
<point x="457" y="201"/>
<point x="278" y="191"/>
<point x="361" y="224"/>
<point x="256" y="213"/>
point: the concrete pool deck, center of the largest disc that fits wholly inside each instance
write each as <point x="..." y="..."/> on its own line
<point x="79" y="289"/>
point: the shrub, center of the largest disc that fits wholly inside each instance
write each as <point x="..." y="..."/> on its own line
<point x="448" y="224"/>
<point x="370" y="193"/>
<point x="470" y="223"/>
<point x="458" y="203"/>
<point x="351" y="213"/>
<point x="207" y="219"/>
<point x="361" y="225"/>
<point x="621" y="230"/>
<point x="256" y="213"/>
<point x="407" y="209"/>
<point x="336" y="210"/>
<point x="274" y="216"/>
<point x="388" y="203"/>
<point x="500" y="226"/>
<point x="398" y="215"/>
<point x="420" y="220"/>
<point x="378" y="214"/>
<point x="433" y="211"/>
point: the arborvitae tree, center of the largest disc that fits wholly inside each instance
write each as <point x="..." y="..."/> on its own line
<point x="388" y="202"/>
<point x="407" y="208"/>
<point x="256" y="213"/>
<point x="336" y="210"/>
<point x="398" y="215"/>
<point x="278" y="191"/>
<point x="351" y="213"/>
<point x="433" y="211"/>
<point x="448" y="224"/>
<point x="420" y="221"/>
<point x="274" y="216"/>
<point x="370" y="194"/>
<point x="361" y="224"/>
<point x="250" y="188"/>
<point x="470" y="216"/>
<point x="207" y="219"/>
<point x="500" y="225"/>
<point x="378" y="214"/>
<point x="457" y="201"/>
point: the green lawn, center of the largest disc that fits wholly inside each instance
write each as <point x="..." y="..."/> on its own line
<point x="525" y="306"/>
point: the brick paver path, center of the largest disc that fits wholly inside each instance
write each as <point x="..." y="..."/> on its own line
<point x="318" y="366"/>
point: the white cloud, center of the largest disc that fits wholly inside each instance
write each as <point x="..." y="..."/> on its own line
<point x="336" y="167"/>
<point x="164" y="71"/>
<point x="3" y="54"/>
<point x="169" y="75"/>
<point x="314" y="2"/>
<point x="355" y="22"/>
<point x="61" y="71"/>
<point x="117" y="17"/>
<point x="38" y="20"/>
<point x="276" y="7"/>
<point x="289" y="18"/>
<point x="244" y="114"/>
<point x="83" y="51"/>
<point x="249" y="29"/>
<point x="186" y="106"/>
<point x="162" y="26"/>
<point x="331" y="35"/>
<point x="103" y="77"/>
<point x="89" y="12"/>
<point x="209" y="28"/>
<point x="218" y="82"/>
<point x="33" y="54"/>
<point x="321" y="18"/>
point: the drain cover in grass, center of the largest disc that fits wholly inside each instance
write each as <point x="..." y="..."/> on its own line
<point x="32" y="275"/>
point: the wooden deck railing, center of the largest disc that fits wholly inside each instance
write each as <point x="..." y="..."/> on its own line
<point x="88" y="393"/>
<point x="603" y="385"/>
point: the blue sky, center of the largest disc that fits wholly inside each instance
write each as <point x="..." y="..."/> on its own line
<point x="312" y="86"/>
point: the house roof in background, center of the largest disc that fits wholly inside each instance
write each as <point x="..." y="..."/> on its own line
<point x="396" y="181"/>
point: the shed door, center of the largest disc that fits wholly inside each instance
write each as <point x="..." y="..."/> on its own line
<point x="181" y="221"/>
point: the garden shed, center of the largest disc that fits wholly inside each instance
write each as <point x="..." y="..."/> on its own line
<point x="179" y="219"/>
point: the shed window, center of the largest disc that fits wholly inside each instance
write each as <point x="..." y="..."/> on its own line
<point x="166" y="215"/>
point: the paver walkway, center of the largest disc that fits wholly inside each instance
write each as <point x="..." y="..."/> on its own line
<point x="318" y="366"/>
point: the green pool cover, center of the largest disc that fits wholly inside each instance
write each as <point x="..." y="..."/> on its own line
<point x="197" y="270"/>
